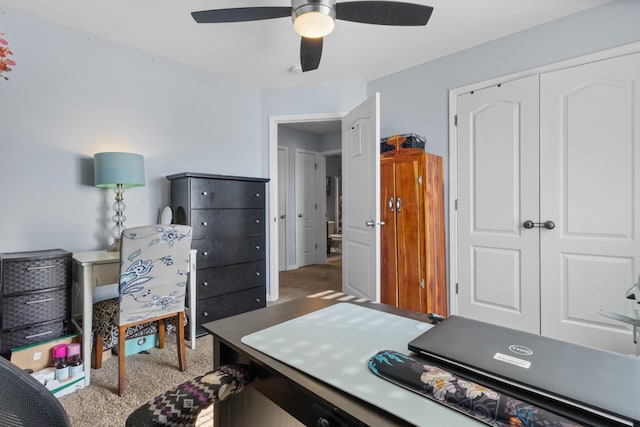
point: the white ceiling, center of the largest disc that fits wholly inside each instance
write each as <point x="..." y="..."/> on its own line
<point x="260" y="53"/>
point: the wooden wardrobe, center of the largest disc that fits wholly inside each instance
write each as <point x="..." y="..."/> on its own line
<point x="413" y="259"/>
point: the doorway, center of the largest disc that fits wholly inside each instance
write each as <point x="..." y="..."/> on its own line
<point x="318" y="124"/>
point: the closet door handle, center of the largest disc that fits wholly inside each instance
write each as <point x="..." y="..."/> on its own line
<point x="549" y="225"/>
<point x="398" y="204"/>
<point x="391" y="204"/>
<point x="370" y="223"/>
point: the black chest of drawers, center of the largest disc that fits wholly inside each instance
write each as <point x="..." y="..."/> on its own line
<point x="34" y="297"/>
<point x="228" y="218"/>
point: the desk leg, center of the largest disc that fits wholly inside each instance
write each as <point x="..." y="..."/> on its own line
<point x="87" y="321"/>
<point x="192" y="297"/>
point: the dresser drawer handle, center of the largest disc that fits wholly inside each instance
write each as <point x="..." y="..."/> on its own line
<point x="37" y="335"/>
<point x="43" y="267"/>
<point x="257" y="299"/>
<point x="205" y="314"/>
<point x="205" y="253"/>
<point x="258" y="195"/>
<point x="39" y="301"/>
<point x="257" y="247"/>
<point x="204" y="223"/>
<point x="257" y="221"/>
<point x="205" y="283"/>
<point x="204" y="193"/>
<point x="257" y="273"/>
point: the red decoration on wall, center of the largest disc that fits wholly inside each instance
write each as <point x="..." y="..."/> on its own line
<point x="5" y="62"/>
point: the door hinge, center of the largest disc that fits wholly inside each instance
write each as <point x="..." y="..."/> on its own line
<point x="420" y="180"/>
<point x="315" y="166"/>
<point x="316" y="246"/>
<point x="456" y="288"/>
<point x="455" y="204"/>
<point x="422" y="283"/>
<point x="316" y="206"/>
<point x="455" y="120"/>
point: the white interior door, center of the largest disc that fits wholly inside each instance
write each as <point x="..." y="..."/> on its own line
<point x="306" y="207"/>
<point x="282" y="208"/>
<point x="498" y="259"/>
<point x="361" y="200"/>
<point x="590" y="149"/>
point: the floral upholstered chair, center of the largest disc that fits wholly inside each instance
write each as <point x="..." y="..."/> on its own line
<point x="154" y="267"/>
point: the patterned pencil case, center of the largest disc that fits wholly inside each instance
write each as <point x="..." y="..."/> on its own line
<point x="484" y="404"/>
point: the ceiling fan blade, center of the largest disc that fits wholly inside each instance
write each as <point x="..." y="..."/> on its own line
<point x="310" y="53"/>
<point x="240" y="14"/>
<point x="384" y="12"/>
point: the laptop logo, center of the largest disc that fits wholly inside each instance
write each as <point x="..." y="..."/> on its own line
<point x="520" y="350"/>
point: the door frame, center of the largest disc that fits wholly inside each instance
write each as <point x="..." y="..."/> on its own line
<point x="272" y="215"/>
<point x="285" y="189"/>
<point x="453" y="137"/>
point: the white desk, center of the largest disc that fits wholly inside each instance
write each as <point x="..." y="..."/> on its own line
<point x="99" y="268"/>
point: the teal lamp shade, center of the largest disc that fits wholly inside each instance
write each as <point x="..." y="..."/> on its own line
<point x="111" y="169"/>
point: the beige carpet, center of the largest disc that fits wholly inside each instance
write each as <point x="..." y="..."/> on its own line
<point x="151" y="374"/>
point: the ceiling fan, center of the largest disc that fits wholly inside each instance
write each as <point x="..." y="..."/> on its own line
<point x="314" y="19"/>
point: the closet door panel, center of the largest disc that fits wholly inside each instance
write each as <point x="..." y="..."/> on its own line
<point x="590" y="146"/>
<point x="497" y="191"/>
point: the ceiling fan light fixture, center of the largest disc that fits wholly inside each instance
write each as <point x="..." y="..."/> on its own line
<point x="313" y="19"/>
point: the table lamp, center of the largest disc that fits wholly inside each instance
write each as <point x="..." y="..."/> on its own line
<point x="118" y="171"/>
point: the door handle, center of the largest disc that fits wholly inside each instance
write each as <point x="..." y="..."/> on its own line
<point x="549" y="225"/>
<point x="372" y="223"/>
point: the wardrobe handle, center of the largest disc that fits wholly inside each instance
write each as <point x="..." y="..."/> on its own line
<point x="391" y="204"/>
<point x="398" y="204"/>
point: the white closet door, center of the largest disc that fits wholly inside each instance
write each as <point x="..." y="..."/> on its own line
<point x="590" y="188"/>
<point x="306" y="208"/>
<point x="498" y="259"/>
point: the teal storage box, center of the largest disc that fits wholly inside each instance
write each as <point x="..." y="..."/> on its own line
<point x="137" y="345"/>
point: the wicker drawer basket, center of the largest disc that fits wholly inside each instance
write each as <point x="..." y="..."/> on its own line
<point x="18" y="337"/>
<point x="34" y="307"/>
<point x="48" y="269"/>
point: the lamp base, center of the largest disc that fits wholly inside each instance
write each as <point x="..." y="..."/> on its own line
<point x="115" y="246"/>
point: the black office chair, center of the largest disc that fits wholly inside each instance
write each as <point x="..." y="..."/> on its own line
<point x="24" y="402"/>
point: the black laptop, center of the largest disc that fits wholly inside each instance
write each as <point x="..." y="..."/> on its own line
<point x="592" y="386"/>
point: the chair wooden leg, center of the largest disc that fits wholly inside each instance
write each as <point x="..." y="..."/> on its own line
<point x="97" y="351"/>
<point x="121" y="358"/>
<point x="162" y="331"/>
<point x="182" y="360"/>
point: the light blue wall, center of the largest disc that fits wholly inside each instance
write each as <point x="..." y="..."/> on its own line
<point x="416" y="100"/>
<point x="71" y="95"/>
